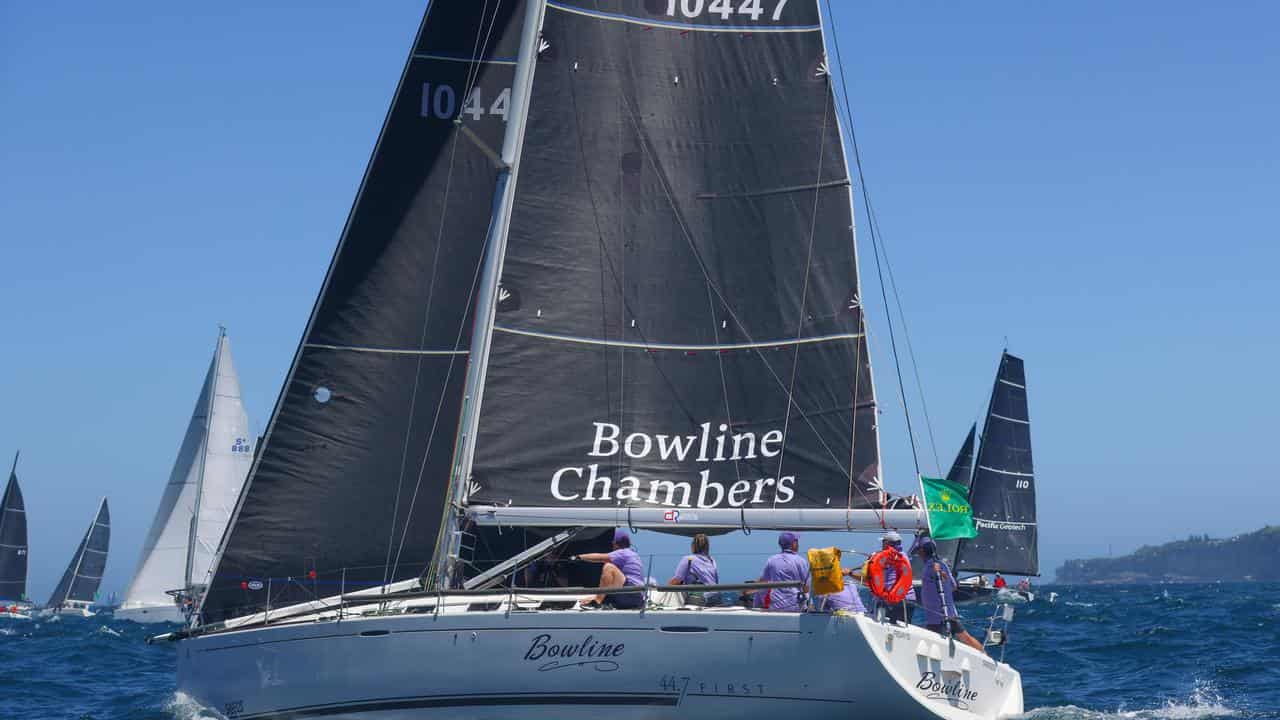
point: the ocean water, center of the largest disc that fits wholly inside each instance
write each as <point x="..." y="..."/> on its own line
<point x="1150" y="652"/>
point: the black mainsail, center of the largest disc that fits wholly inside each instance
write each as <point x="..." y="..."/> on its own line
<point x="13" y="540"/>
<point x="961" y="472"/>
<point x="680" y="326"/>
<point x="596" y="237"/>
<point x="350" y="484"/>
<point x="80" y="582"/>
<point x="1003" y="495"/>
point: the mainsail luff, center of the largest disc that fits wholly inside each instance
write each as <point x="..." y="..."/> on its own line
<point x="1003" y="492"/>
<point x="734" y="185"/>
<point x="354" y="474"/>
<point x="13" y="539"/>
<point x="84" y="574"/>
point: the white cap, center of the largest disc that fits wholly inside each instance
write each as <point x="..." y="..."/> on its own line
<point x="891" y="536"/>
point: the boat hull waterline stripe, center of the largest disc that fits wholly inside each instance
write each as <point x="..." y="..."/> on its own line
<point x="682" y="26"/>
<point x="686" y="348"/>
<point x="442" y="701"/>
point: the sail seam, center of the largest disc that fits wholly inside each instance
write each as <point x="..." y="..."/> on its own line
<point x="687" y="348"/>
<point x="1005" y="472"/>
<point x="774" y="191"/>
<point x="1009" y="419"/>
<point x="385" y="351"/>
<point x="599" y="15"/>
<point x="1014" y="384"/>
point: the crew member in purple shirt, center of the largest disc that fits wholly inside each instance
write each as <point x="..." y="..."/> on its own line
<point x="847" y="599"/>
<point x="621" y="567"/>
<point x="699" y="569"/>
<point x="937" y="596"/>
<point x="786" y="566"/>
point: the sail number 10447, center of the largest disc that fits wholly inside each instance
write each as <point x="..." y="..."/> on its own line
<point x="726" y="9"/>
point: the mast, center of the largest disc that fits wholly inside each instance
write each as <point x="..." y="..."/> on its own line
<point x="487" y="294"/>
<point x="204" y="453"/>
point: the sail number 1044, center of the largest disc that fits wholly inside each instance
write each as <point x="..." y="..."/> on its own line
<point x="726" y="9"/>
<point x="440" y="101"/>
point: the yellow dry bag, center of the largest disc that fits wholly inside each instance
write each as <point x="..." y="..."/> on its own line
<point x="824" y="566"/>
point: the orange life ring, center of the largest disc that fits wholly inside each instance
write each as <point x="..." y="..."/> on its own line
<point x="901" y="586"/>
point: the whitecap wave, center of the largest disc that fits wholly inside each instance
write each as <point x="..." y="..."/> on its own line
<point x="108" y="631"/>
<point x="183" y="707"/>
<point x="1203" y="704"/>
<point x="1073" y="603"/>
<point x="8" y="631"/>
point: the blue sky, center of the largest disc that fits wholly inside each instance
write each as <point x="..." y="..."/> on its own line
<point x="1095" y="182"/>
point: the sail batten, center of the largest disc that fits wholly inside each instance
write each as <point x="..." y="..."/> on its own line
<point x="1003" y="490"/>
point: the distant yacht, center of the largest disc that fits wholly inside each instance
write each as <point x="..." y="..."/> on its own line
<point x="78" y="588"/>
<point x="1002" y="492"/>
<point x="13" y="550"/>
<point x="198" y="499"/>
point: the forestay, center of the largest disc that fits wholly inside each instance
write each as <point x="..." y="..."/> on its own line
<point x="13" y="540"/>
<point x="1003" y="495"/>
<point x="84" y="574"/>
<point x="212" y="462"/>
<point x="352" y="479"/>
<point x="679" y="331"/>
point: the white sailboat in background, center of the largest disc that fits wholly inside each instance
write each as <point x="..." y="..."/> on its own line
<point x="198" y="499"/>
<point x="78" y="589"/>
<point x="600" y="273"/>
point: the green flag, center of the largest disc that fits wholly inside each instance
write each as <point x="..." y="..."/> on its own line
<point x="950" y="515"/>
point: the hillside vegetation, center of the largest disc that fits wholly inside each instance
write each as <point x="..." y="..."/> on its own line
<point x="1196" y="559"/>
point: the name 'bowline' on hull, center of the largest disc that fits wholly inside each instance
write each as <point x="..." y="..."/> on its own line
<point x="724" y="663"/>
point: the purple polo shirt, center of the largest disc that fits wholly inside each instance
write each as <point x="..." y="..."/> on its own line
<point x="786" y="566"/>
<point x="628" y="561"/>
<point x="934" y="609"/>
<point x="698" y="570"/>
<point x="847" y="599"/>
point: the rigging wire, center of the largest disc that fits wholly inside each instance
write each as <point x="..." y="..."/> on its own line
<point x="479" y="47"/>
<point x="876" y="242"/>
<point x="804" y="292"/>
<point x="678" y="215"/>
<point x="873" y="220"/>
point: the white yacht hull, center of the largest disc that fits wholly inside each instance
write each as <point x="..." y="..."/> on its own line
<point x="70" y="612"/>
<point x="147" y="614"/>
<point x="729" y="663"/>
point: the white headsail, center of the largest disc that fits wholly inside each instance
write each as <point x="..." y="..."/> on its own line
<point x="207" y="476"/>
